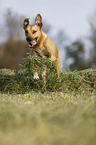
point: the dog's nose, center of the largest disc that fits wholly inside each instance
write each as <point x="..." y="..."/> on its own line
<point x="29" y="38"/>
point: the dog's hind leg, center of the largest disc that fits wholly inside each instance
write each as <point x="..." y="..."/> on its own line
<point x="56" y="62"/>
<point x="44" y="74"/>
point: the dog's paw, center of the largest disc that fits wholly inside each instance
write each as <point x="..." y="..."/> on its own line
<point x="44" y="74"/>
<point x="36" y="77"/>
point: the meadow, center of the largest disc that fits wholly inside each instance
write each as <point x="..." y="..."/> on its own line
<point x="52" y="112"/>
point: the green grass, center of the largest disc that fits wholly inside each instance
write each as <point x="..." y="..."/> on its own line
<point x="56" y="112"/>
<point x="52" y="118"/>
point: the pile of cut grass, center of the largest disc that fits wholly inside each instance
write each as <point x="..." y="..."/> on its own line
<point x="22" y="80"/>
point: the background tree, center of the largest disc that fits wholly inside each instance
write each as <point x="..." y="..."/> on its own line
<point x="75" y="55"/>
<point x="13" y="25"/>
<point x="14" y="48"/>
<point x="92" y="38"/>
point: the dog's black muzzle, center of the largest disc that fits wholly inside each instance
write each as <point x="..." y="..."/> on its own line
<point x="29" y="38"/>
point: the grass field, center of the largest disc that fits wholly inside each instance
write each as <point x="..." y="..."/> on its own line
<point x="48" y="119"/>
<point x="62" y="113"/>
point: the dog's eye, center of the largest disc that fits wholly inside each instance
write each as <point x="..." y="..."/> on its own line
<point x="34" y="31"/>
<point x="26" y="31"/>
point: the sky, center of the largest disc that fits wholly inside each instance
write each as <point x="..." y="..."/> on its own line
<point x="68" y="15"/>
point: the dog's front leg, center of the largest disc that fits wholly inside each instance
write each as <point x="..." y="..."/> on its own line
<point x="44" y="74"/>
<point x="36" y="77"/>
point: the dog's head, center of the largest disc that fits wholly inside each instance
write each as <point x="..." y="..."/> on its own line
<point x="33" y="33"/>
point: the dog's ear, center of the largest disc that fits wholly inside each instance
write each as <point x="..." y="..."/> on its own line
<point x="26" y="23"/>
<point x="38" y="21"/>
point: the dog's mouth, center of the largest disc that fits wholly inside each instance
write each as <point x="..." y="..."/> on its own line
<point x="32" y="42"/>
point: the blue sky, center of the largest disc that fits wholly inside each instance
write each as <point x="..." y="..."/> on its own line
<point x="69" y="15"/>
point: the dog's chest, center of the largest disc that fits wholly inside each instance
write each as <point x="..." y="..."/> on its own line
<point x="42" y="51"/>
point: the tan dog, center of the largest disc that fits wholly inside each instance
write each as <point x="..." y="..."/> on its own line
<point x="41" y="43"/>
